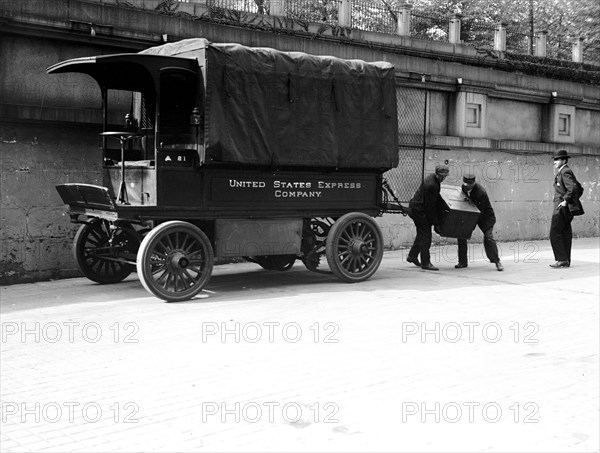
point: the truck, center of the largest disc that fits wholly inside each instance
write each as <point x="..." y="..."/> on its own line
<point x="219" y="150"/>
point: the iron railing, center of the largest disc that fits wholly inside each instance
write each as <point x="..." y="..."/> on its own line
<point x="518" y="39"/>
<point x="246" y="6"/>
<point x="372" y="15"/>
<point x="382" y="16"/>
<point x="477" y="34"/>
<point x="560" y="49"/>
<point x="322" y="11"/>
<point x="426" y="26"/>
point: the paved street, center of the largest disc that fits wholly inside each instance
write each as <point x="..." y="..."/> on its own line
<point x="411" y="360"/>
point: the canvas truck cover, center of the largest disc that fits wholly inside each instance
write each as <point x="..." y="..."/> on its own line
<point x="268" y="107"/>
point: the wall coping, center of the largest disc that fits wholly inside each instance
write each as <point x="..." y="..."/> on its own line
<point x="450" y="142"/>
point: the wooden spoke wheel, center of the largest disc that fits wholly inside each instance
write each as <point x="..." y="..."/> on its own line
<point x="175" y="261"/>
<point x="354" y="247"/>
<point x="314" y="239"/>
<point x="102" y="254"/>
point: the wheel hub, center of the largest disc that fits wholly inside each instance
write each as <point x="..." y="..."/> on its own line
<point x="358" y="247"/>
<point x="179" y="260"/>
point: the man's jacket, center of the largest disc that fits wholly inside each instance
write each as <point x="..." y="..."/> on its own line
<point x="487" y="218"/>
<point x="427" y="200"/>
<point x="568" y="189"/>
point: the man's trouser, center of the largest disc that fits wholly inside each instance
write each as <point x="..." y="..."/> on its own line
<point x="422" y="241"/>
<point x="489" y="244"/>
<point x="561" y="234"/>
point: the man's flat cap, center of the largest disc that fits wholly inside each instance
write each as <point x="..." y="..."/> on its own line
<point x="442" y="170"/>
<point x="469" y="178"/>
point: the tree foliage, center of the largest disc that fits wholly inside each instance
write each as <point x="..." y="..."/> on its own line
<point x="315" y="11"/>
<point x="564" y="20"/>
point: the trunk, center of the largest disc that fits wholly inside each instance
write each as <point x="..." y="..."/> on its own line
<point x="531" y="27"/>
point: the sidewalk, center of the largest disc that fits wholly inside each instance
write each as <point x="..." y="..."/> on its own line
<point x="456" y="360"/>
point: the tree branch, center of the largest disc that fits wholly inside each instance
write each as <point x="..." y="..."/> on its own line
<point x="390" y="10"/>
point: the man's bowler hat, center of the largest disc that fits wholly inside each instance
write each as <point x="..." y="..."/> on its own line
<point x="561" y="154"/>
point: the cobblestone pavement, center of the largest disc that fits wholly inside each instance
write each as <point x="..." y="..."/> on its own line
<point x="456" y="360"/>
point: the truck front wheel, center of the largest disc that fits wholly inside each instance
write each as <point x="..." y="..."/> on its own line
<point x="175" y="261"/>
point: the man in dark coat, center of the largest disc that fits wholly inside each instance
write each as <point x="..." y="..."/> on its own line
<point x="485" y="222"/>
<point x="566" y="204"/>
<point x="424" y="210"/>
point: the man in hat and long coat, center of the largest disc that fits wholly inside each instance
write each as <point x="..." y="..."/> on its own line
<point x="485" y="222"/>
<point x="566" y="204"/>
<point x="424" y="210"/>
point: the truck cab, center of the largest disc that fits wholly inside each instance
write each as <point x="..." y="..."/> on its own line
<point x="152" y="110"/>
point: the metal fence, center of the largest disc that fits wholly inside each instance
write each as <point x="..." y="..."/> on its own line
<point x="434" y="28"/>
<point x="377" y="16"/>
<point x="372" y="15"/>
<point x="561" y="49"/>
<point x="477" y="34"/>
<point x="518" y="39"/>
<point x="407" y="176"/>
<point x="249" y="6"/>
<point x="322" y="11"/>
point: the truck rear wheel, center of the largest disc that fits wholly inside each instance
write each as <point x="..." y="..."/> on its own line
<point x="175" y="261"/>
<point x="354" y="247"/>
<point x="314" y="238"/>
<point x="101" y="254"/>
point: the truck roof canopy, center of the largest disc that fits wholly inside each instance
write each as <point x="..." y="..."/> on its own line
<point x="128" y="71"/>
<point x="267" y="107"/>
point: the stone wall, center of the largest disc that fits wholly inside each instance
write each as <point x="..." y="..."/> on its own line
<point x="48" y="124"/>
<point x="520" y="187"/>
<point x="36" y="230"/>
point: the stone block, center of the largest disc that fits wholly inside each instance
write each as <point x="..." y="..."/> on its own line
<point x="13" y="223"/>
<point x="559" y="123"/>
<point x="49" y="222"/>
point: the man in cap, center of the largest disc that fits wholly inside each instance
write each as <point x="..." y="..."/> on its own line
<point x="566" y="203"/>
<point x="424" y="208"/>
<point x="485" y="222"/>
